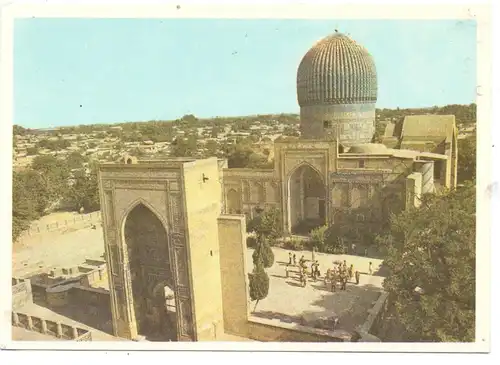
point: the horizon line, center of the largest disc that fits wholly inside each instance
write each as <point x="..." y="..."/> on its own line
<point x="214" y="117"/>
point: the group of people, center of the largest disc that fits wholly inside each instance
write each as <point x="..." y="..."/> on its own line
<point x="341" y="273"/>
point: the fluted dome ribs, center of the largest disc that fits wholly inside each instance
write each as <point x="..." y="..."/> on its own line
<point x="336" y="70"/>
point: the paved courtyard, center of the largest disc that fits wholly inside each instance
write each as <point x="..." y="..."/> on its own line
<point x="288" y="302"/>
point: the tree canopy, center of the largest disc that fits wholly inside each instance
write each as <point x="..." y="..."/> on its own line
<point x="466" y="159"/>
<point x="431" y="262"/>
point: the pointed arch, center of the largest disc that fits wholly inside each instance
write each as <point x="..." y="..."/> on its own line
<point x="302" y="165"/>
<point x="146" y="241"/>
<point x="133" y="205"/>
<point x="306" y="198"/>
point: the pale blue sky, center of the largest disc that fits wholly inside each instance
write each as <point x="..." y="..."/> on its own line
<point x="84" y="71"/>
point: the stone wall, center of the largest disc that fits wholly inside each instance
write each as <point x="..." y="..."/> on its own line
<point x="247" y="189"/>
<point x="369" y="329"/>
<point x="232" y="242"/>
<point x="202" y="208"/>
<point x="21" y="293"/>
<point x="268" y="330"/>
<point x="56" y="329"/>
<point x="85" y="304"/>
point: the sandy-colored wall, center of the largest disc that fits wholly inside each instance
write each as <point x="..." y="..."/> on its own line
<point x="21" y="293"/>
<point x="202" y="208"/>
<point x="267" y="332"/>
<point x="232" y="241"/>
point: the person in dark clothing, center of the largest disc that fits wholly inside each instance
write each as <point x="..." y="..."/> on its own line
<point x="357" y="275"/>
<point x="294" y="259"/>
<point x="289" y="258"/>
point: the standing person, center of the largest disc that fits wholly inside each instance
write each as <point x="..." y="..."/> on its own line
<point x="351" y="271"/>
<point x="366" y="251"/>
<point x="286" y="270"/>
<point x="370" y="268"/>
<point x="344" y="282"/>
<point x="334" y="277"/>
<point x="353" y="248"/>
<point x="357" y="275"/>
<point x="289" y="258"/>
<point x="313" y="270"/>
<point x="318" y="274"/>
<point x="294" y="259"/>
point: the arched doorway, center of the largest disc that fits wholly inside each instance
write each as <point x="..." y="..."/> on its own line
<point x="233" y="202"/>
<point x="149" y="261"/>
<point x="307" y="200"/>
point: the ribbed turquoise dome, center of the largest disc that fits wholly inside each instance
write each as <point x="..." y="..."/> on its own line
<point x="336" y="70"/>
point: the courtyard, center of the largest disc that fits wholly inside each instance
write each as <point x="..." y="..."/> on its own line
<point x="288" y="302"/>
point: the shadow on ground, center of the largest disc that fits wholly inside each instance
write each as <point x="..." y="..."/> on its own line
<point x="350" y="307"/>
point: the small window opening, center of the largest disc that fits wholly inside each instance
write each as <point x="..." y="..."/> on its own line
<point x="327" y="124"/>
<point x="129" y="161"/>
<point x="361" y="164"/>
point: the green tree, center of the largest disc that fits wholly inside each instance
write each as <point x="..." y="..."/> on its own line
<point x="211" y="147"/>
<point x="318" y="238"/>
<point x="31" y="151"/>
<point x="55" y="172"/>
<point x="264" y="252"/>
<point x="258" y="283"/>
<point x="84" y="192"/>
<point x="267" y="224"/>
<point x="29" y="199"/>
<point x="184" y="147"/>
<point x="466" y="159"/>
<point x="75" y="160"/>
<point x="431" y="262"/>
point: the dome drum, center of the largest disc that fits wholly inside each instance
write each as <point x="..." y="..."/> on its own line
<point x="350" y="124"/>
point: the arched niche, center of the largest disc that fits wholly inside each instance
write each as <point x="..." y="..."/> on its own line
<point x="233" y="201"/>
<point x="146" y="242"/>
<point x="306" y="199"/>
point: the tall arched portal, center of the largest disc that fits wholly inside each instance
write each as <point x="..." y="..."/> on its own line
<point x="307" y="200"/>
<point x="151" y="275"/>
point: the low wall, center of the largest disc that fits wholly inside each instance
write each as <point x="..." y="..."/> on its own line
<point x="21" y="293"/>
<point x="270" y="330"/>
<point x="76" y="220"/>
<point x="51" y="328"/>
<point x="368" y="330"/>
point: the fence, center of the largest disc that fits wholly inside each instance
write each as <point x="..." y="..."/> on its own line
<point x="51" y="328"/>
<point x="77" y="219"/>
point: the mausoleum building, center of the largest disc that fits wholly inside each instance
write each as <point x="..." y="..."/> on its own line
<point x="174" y="231"/>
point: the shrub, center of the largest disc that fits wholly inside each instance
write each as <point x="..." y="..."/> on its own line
<point x="251" y="242"/>
<point x="264" y="254"/>
<point x="295" y="244"/>
<point x="258" y="284"/>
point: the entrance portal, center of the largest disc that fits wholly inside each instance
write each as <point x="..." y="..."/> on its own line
<point x="307" y="194"/>
<point x="150" y="272"/>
